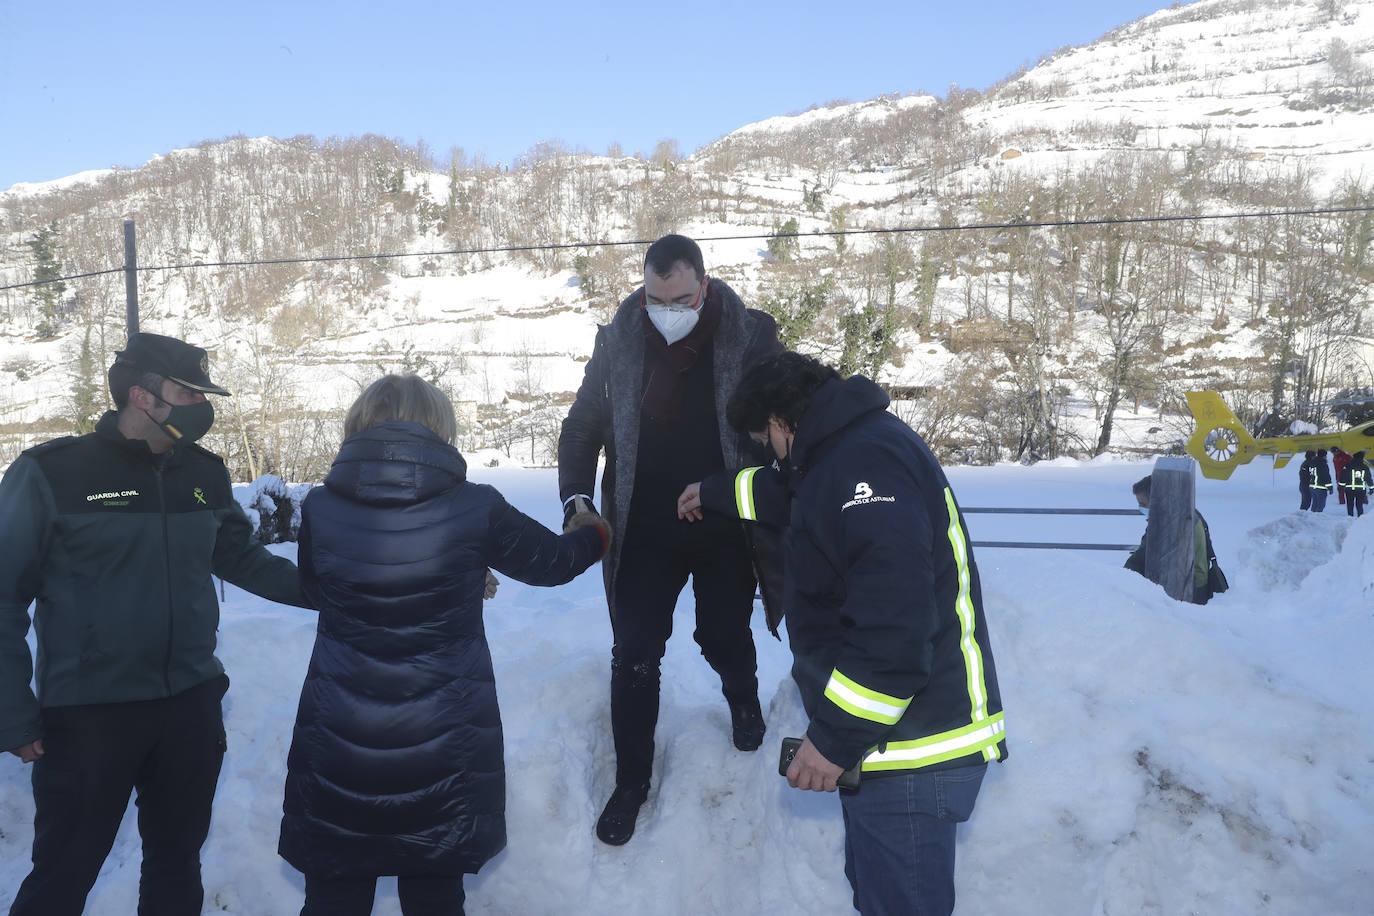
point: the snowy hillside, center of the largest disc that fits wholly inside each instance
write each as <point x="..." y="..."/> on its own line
<point x="1258" y="76"/>
<point x="1027" y="344"/>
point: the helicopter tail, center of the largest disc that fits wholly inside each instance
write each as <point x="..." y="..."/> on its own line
<point x="1220" y="443"/>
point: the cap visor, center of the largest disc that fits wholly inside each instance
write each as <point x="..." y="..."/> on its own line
<point x="207" y="387"/>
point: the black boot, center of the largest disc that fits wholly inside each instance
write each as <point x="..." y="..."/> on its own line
<point x="617" y="823"/>
<point x="746" y="724"/>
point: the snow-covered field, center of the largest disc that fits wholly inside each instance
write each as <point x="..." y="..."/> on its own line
<point x="1165" y="758"/>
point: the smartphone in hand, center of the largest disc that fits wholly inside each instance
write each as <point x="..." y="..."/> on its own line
<point x="849" y="779"/>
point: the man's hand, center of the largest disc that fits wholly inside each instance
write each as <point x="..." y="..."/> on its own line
<point x="489" y="589"/>
<point x="810" y="769"/>
<point x="578" y="505"/>
<point x="689" y="503"/>
<point x="28" y="753"/>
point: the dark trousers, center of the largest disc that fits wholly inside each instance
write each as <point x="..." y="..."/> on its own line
<point x="654" y="565"/>
<point x="1318" y="500"/>
<point x="421" y="895"/>
<point x="1306" y="500"/>
<point x="169" y="752"/>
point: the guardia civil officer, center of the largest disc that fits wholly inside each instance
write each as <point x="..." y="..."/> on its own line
<point x="117" y="534"/>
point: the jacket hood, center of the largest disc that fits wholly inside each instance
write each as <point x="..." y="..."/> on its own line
<point x="395" y="463"/>
<point x="835" y="405"/>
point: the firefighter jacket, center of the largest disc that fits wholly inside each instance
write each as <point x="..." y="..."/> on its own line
<point x="1355" y="476"/>
<point x="1318" y="475"/>
<point x="118" y="544"/>
<point x="883" y="605"/>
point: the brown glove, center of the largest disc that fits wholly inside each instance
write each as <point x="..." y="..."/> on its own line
<point x="489" y="590"/>
<point x="593" y="519"/>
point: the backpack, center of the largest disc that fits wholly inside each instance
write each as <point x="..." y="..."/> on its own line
<point x="1216" y="579"/>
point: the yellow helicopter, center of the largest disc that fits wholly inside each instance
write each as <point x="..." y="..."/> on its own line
<point x="1221" y="443"/>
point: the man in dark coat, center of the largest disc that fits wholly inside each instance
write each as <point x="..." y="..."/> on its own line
<point x="1203" y="554"/>
<point x="116" y="534"/>
<point x="653" y="396"/>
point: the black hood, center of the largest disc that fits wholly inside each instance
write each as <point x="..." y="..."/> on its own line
<point x="395" y="463"/>
<point x="835" y="405"/>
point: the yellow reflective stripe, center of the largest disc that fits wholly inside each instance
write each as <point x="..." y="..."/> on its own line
<point x="963" y="606"/>
<point x="860" y="701"/>
<point x="744" y="494"/>
<point x="960" y="742"/>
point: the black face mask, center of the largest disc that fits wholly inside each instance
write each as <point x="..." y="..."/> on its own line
<point x="186" y="422"/>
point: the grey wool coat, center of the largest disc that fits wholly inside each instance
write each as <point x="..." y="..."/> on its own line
<point x="606" y="414"/>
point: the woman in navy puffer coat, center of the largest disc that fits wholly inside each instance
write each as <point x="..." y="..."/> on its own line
<point x="396" y="763"/>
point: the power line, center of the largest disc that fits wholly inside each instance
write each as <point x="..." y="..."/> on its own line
<point x="94" y="273"/>
<point x="819" y="233"/>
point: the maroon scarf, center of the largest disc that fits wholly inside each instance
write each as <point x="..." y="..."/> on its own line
<point x="665" y="366"/>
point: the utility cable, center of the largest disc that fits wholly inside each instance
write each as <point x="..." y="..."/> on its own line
<point x="819" y="233"/>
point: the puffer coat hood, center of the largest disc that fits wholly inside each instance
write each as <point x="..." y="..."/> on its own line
<point x="396" y="764"/>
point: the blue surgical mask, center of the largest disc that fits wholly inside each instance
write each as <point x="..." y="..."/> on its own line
<point x="1145" y="511"/>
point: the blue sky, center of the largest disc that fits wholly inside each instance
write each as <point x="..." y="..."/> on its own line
<point x="88" y="85"/>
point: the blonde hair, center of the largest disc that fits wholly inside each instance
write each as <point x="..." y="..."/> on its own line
<point x="403" y="397"/>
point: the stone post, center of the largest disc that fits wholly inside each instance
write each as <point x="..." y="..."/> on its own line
<point x="1169" y="531"/>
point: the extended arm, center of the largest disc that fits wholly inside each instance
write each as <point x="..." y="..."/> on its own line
<point x="754" y="494"/>
<point x="523" y="549"/>
<point x="26" y="514"/>
<point x="251" y="566"/>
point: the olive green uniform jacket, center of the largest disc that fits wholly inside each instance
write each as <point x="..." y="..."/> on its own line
<point x="117" y="547"/>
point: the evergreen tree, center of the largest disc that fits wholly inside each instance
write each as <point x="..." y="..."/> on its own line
<point x="796" y="305"/>
<point x="85" y="394"/>
<point x="868" y="339"/>
<point x="46" y="269"/>
<point x="783" y="244"/>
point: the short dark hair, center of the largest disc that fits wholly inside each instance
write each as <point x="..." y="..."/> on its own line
<point x="124" y="376"/>
<point x="664" y="254"/>
<point x="1142" y="487"/>
<point x="1321" y="453"/>
<point x="781" y="386"/>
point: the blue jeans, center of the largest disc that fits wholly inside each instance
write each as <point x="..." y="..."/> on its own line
<point x="899" y="839"/>
<point x="1318" y="500"/>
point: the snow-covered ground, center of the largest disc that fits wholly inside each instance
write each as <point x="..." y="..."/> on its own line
<point x="1165" y="758"/>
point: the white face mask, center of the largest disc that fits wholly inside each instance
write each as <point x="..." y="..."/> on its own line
<point x="674" y="322"/>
